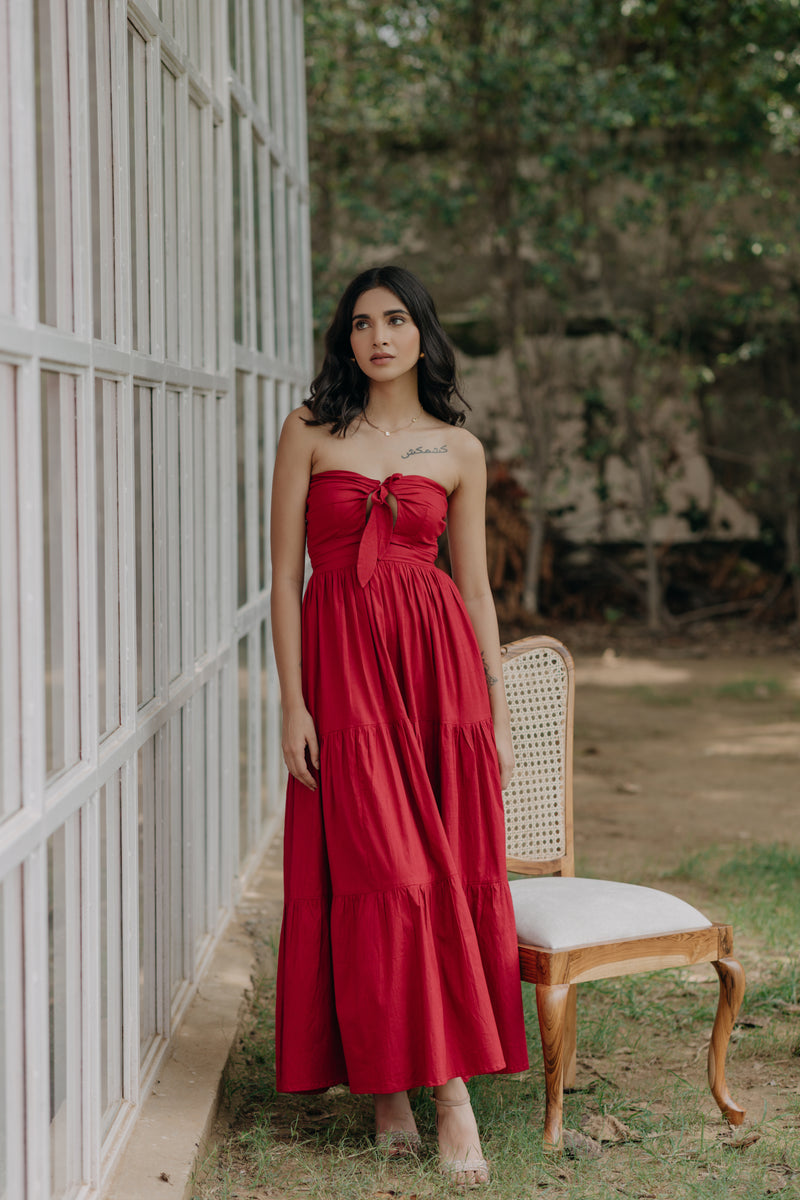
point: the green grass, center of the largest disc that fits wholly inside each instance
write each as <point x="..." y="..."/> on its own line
<point x="750" y="689"/>
<point x="641" y="1052"/>
<point x="758" y="888"/>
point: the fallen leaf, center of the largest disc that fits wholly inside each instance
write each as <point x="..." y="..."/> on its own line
<point x="780" y="1176"/>
<point x="749" y="1139"/>
<point x="579" y="1145"/>
<point x="609" y="1129"/>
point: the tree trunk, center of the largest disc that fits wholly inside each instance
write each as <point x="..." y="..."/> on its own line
<point x="644" y="467"/>
<point x="654" y="620"/>
<point x="533" y="564"/>
<point x="533" y="396"/>
<point x="792" y="556"/>
<point x="532" y="389"/>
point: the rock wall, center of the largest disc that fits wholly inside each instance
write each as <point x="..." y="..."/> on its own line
<point x="577" y="513"/>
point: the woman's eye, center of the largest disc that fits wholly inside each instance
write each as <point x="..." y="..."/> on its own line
<point x="360" y="325"/>
<point x="397" y="321"/>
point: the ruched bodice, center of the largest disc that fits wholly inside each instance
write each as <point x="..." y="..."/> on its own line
<point x="342" y="533"/>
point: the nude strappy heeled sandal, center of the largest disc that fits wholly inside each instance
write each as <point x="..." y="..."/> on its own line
<point x="454" y="1168"/>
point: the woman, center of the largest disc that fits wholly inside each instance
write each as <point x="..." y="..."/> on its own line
<point x="398" y="962"/>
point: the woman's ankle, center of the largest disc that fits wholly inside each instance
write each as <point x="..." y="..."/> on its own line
<point x="390" y="1099"/>
<point x="452" y="1092"/>
<point x="393" y="1111"/>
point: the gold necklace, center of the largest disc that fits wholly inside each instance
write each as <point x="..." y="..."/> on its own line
<point x="389" y="432"/>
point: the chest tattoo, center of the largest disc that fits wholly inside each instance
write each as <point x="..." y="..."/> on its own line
<point x="425" y="450"/>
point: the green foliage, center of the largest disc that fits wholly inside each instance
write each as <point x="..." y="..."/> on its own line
<point x="551" y="129"/>
<point x="632" y="163"/>
<point x="426" y="110"/>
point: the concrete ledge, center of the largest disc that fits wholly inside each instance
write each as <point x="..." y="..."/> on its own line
<point x="177" y="1117"/>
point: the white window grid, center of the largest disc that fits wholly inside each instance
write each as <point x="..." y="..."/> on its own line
<point x="131" y="814"/>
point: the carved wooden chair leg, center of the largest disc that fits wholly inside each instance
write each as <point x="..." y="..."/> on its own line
<point x="571" y="1038"/>
<point x="551" y="1005"/>
<point x="731" y="992"/>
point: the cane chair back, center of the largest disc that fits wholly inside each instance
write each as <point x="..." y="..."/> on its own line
<point x="539" y="683"/>
<point x="570" y="930"/>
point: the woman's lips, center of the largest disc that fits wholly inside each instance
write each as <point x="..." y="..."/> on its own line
<point x="382" y="358"/>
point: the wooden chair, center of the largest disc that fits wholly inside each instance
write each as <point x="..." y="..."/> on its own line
<point x="570" y="929"/>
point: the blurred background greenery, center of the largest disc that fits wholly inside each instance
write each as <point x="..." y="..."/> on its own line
<point x="603" y="199"/>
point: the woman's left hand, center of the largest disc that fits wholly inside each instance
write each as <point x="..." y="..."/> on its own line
<point x="505" y="756"/>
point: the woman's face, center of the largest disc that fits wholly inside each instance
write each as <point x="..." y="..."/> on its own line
<point x="383" y="336"/>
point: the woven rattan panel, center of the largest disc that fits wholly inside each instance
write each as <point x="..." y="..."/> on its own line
<point x="537" y="689"/>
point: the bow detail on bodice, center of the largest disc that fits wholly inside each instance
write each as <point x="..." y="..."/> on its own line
<point x="378" y="530"/>
<point x="356" y="522"/>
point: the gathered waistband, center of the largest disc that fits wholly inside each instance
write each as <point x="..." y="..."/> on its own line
<point x="395" y="555"/>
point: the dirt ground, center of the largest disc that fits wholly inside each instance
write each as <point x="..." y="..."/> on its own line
<point x="679" y="748"/>
<point x="676" y="755"/>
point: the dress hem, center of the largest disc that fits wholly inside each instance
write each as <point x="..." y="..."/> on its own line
<point x="398" y="1085"/>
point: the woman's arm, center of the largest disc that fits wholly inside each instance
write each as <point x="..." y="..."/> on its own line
<point x="290" y="478"/>
<point x="466" y="531"/>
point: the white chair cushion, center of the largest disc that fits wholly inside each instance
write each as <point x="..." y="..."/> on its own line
<point x="560" y="913"/>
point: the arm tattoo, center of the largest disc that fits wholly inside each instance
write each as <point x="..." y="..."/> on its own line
<point x="491" y="679"/>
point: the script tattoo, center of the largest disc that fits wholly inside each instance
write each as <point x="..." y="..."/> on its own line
<point x="425" y="450"/>
<point x="491" y="679"/>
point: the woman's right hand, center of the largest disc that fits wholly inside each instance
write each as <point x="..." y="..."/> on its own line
<point x="299" y="744"/>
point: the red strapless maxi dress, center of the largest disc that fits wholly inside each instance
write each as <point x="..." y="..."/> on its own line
<point x="398" y="957"/>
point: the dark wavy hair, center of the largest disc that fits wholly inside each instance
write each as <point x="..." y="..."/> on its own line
<point x="340" y="391"/>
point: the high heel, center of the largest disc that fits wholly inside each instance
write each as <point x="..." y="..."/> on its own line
<point x="457" y="1169"/>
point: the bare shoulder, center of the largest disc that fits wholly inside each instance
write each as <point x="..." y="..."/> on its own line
<point x="469" y="454"/>
<point x="296" y="424"/>
<point x="467" y="443"/>
<point x="298" y="438"/>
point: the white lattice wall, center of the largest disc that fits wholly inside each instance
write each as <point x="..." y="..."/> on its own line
<point x="154" y="330"/>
